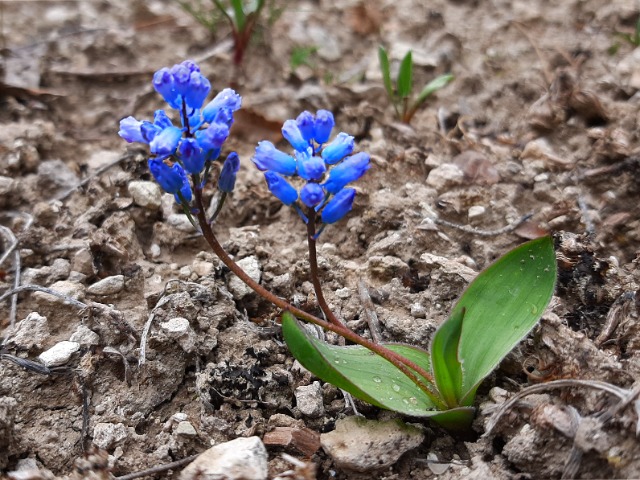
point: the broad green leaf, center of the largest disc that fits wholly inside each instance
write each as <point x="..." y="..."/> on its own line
<point x="405" y="76"/>
<point x="361" y="372"/>
<point x="501" y="306"/>
<point x="433" y="86"/>
<point x="386" y="71"/>
<point x="456" y="419"/>
<point x="447" y="370"/>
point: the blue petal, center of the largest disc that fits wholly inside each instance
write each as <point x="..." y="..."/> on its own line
<point x="268" y="157"/>
<point x="227" y="99"/>
<point x="310" y="167"/>
<point x="227" y="179"/>
<point x="306" y="124"/>
<point x="161" y="120"/>
<point x="323" y="126"/>
<point x="199" y="88"/>
<point x="292" y="133"/>
<point x="130" y="130"/>
<point x="311" y="194"/>
<point x="351" y="169"/>
<point x="341" y="146"/>
<point x="281" y="188"/>
<point x="338" y="206"/>
<point x="213" y="136"/>
<point x="170" y="179"/>
<point x="166" y="142"/>
<point x="192" y="155"/>
<point x="164" y="85"/>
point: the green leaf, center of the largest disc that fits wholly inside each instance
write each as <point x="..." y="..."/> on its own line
<point x="405" y="76"/>
<point x="361" y="372"/>
<point x="433" y="86"/>
<point x="500" y="307"/>
<point x="386" y="71"/>
<point x="447" y="369"/>
<point x="239" y="15"/>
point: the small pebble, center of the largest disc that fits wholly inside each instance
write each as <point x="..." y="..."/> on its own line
<point x="107" y="286"/>
<point x="68" y="288"/>
<point x="445" y="176"/>
<point x="476" y="211"/>
<point x="185" y="429"/>
<point x="59" y="354"/>
<point x="366" y="445"/>
<point x="146" y="194"/>
<point x="239" y="459"/>
<point x="418" y="311"/>
<point x="107" y="435"/>
<point x="31" y="332"/>
<point x="309" y="400"/>
<point x="343" y="293"/>
<point x="236" y="286"/>
<point x="85" y="337"/>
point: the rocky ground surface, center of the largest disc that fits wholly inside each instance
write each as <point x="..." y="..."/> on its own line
<point x="542" y="118"/>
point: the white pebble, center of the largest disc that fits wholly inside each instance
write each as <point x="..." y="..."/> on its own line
<point x="107" y="286"/>
<point x="476" y="211"/>
<point x="59" y="354"/>
<point x="146" y="194"/>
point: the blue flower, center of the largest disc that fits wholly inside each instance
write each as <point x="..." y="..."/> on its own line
<point x="349" y="170"/>
<point x="182" y="83"/>
<point x="323" y="125"/>
<point x="130" y="130"/>
<point x="161" y="120"/>
<point x="311" y="194"/>
<point x="163" y="83"/>
<point x="166" y="142"/>
<point x="171" y="179"/>
<point x="338" y="206"/>
<point x="292" y="133"/>
<point x="212" y="137"/>
<point x="306" y="123"/>
<point x="281" y="188"/>
<point x="230" y="167"/>
<point x="221" y="108"/>
<point x="192" y="156"/>
<point x="325" y="171"/>
<point x="310" y="167"/>
<point x="268" y="157"/>
<point x="341" y="146"/>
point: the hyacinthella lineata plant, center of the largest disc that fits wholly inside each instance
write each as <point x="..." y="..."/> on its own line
<point x="495" y="312"/>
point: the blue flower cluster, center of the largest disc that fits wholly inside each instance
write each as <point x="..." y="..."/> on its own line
<point x="199" y="139"/>
<point x="325" y="171"/>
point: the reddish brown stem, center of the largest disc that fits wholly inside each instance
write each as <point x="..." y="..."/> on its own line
<point x="313" y="269"/>
<point x="406" y="366"/>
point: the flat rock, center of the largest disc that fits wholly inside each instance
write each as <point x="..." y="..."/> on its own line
<point x="107" y="286"/>
<point x="65" y="287"/>
<point x="365" y="445"/>
<point x="239" y="459"/>
<point x="31" y="332"/>
<point x="59" y="354"/>
<point x="445" y="176"/>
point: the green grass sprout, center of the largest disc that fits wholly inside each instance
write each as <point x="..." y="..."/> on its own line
<point x="241" y="16"/>
<point x="400" y="94"/>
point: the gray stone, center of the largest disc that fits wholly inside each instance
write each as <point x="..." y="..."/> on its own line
<point x="179" y="221"/>
<point x="83" y="262"/>
<point x="365" y="445"/>
<point x="31" y="332"/>
<point x="65" y="287"/>
<point x="59" y="354"/>
<point x="85" y="337"/>
<point x="252" y="267"/>
<point x="107" y="286"/>
<point x="445" y="176"/>
<point x="239" y="459"/>
<point x="178" y="328"/>
<point x="60" y="269"/>
<point x="418" y="310"/>
<point x="146" y="194"/>
<point x="107" y="435"/>
<point x="185" y="429"/>
<point x="309" y="400"/>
